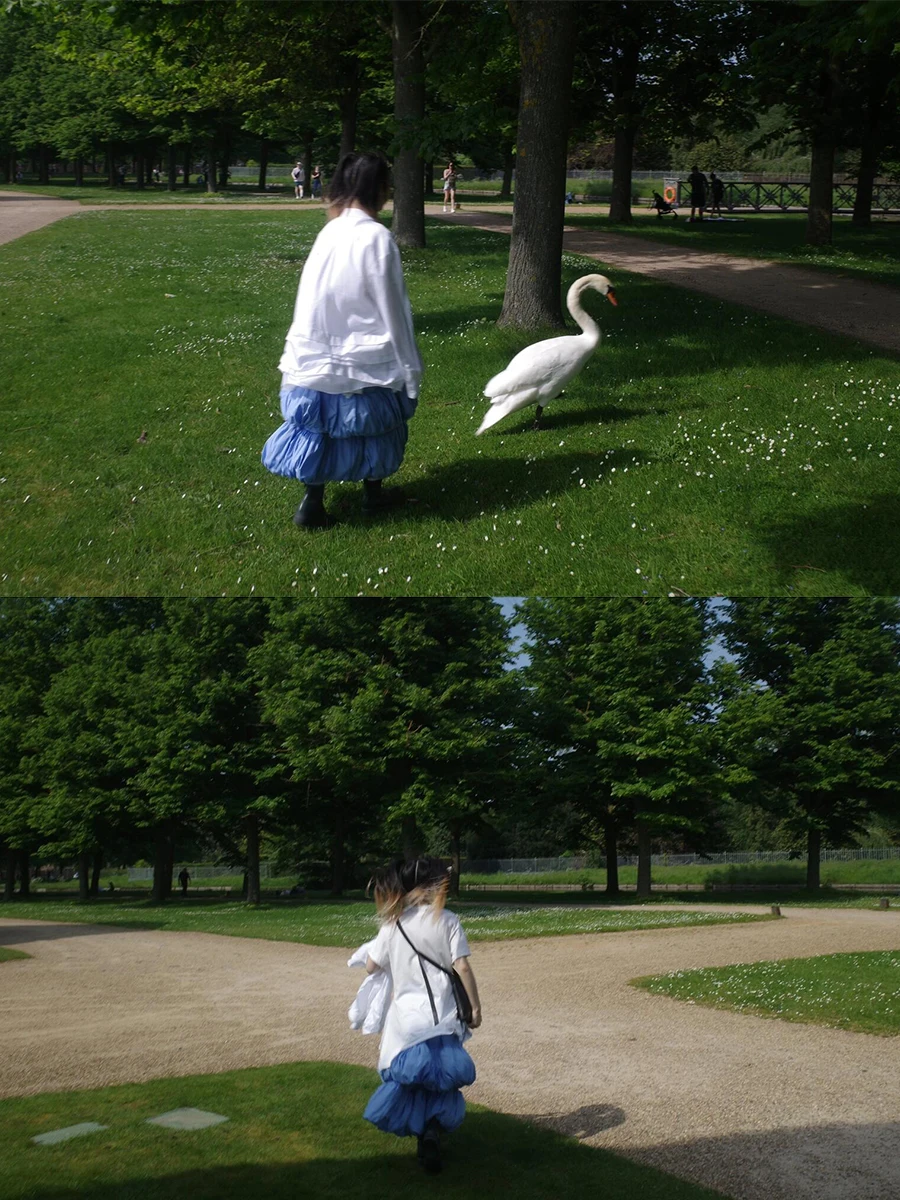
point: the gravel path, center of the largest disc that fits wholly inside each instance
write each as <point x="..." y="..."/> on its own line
<point x="761" y="1109"/>
<point x="869" y="312"/>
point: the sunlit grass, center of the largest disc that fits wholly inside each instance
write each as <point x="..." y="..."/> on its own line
<point x="7" y="954"/>
<point x="859" y="991"/>
<point x="294" y="1130"/>
<point x="865" y="871"/>
<point x="345" y="924"/>
<point x="705" y="449"/>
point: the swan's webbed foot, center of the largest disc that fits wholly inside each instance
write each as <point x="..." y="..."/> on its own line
<point x="537" y="418"/>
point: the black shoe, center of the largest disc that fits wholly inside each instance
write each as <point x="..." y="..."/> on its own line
<point x="311" y="514"/>
<point x="377" y="498"/>
<point x="431" y="1148"/>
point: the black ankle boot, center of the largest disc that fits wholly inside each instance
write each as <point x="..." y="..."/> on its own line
<point x="430" y="1144"/>
<point x="311" y="514"/>
<point x="377" y="498"/>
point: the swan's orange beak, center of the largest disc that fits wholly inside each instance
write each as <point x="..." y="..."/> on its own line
<point x="611" y="297"/>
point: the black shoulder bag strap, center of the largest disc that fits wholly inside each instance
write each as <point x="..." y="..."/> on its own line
<point x="420" y="956"/>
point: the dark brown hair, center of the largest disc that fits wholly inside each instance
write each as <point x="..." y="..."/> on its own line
<point x="361" y="177"/>
<point x="405" y="884"/>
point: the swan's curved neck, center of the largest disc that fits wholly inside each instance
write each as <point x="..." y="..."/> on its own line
<point x="589" y="326"/>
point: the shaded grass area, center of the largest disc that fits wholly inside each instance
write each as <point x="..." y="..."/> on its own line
<point x="711" y="452"/>
<point x="100" y="193"/>
<point x="346" y="924"/>
<point x="868" y="871"/>
<point x="7" y="954"/>
<point x="872" y="253"/>
<point x="859" y="991"/>
<point x="293" y="1130"/>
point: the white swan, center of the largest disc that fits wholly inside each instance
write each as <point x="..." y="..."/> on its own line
<point x="540" y="372"/>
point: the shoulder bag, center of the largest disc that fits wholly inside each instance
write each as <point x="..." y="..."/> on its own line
<point x="460" y="995"/>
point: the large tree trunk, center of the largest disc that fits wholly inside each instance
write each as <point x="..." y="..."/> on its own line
<point x="348" y="107"/>
<point x="162" y="867"/>
<point x="337" y="855"/>
<point x="546" y="47"/>
<point x="263" y="163"/>
<point x="171" y="168"/>
<point x="9" y="883"/>
<point x="24" y="874"/>
<point x="95" y="874"/>
<point x="252" y="823"/>
<point x="821" y="192"/>
<point x="224" y="162"/>
<point x="84" y="876"/>
<point x="626" y="117"/>
<point x="140" y="170"/>
<point x="79" y="172"/>
<point x="455" y="856"/>
<point x="813" y="854"/>
<point x="211" y="165"/>
<point x="187" y="165"/>
<point x="611" y="850"/>
<point x="643" y="871"/>
<point x="408" y="225"/>
<point x="865" y="187"/>
<point x="509" y="162"/>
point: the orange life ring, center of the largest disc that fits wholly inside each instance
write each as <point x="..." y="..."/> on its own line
<point x="669" y="194"/>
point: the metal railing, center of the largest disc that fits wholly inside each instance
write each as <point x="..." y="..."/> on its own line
<point x="787" y="195"/>
<point x="534" y="866"/>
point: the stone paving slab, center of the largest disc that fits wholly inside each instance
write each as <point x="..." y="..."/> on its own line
<point x="187" y="1118"/>
<point x="70" y="1131"/>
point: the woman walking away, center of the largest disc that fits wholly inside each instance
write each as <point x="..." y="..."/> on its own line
<point x="422" y="1062"/>
<point x="350" y="367"/>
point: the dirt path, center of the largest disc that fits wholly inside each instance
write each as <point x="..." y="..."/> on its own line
<point x="869" y="312"/>
<point x="761" y="1109"/>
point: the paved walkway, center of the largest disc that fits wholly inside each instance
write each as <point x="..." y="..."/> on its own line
<point x="760" y="1109"/>
<point x="869" y="312"/>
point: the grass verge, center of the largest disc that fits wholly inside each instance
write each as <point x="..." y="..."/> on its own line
<point x="858" y="991"/>
<point x="347" y="925"/>
<point x="7" y="954"/>
<point x="714" y="451"/>
<point x="872" y="253"/>
<point x="867" y="871"/>
<point x="293" y="1130"/>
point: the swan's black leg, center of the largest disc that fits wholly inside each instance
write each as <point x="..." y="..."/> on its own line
<point x="537" y="417"/>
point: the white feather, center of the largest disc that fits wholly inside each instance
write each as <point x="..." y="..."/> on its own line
<point x="540" y="372"/>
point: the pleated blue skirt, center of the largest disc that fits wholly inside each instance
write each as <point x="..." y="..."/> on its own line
<point x="332" y="438"/>
<point x="422" y="1084"/>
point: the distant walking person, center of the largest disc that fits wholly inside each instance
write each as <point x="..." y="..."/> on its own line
<point x="717" y="191"/>
<point x="422" y="1062"/>
<point x="450" y="177"/>
<point x="184" y="879"/>
<point x="298" y="174"/>
<point x="315" y="183"/>
<point x="350" y="367"/>
<point x="698" y="184"/>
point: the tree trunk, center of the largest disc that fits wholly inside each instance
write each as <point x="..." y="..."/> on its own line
<point x="9" y="883"/>
<point x="408" y="225"/>
<point x="546" y="48"/>
<point x="171" y="168"/>
<point x="813" y="854"/>
<point x="348" y="107"/>
<point x="643" y="871"/>
<point x="430" y="193"/>
<point x="821" y="192"/>
<point x="252" y="822"/>
<point x="169" y="873"/>
<point x="84" y="876"/>
<point x="24" y="874"/>
<point x="95" y="874"/>
<point x="337" y="855"/>
<point x="626" y="118"/>
<point x="111" y="177"/>
<point x="161" y="868"/>
<point x="140" y="171"/>
<point x="509" y="162"/>
<point x="611" y="850"/>
<point x="865" y="185"/>
<point x="187" y="165"/>
<point x="263" y="164"/>
<point x="211" y="165"/>
<point x="455" y="857"/>
<point x="43" y="165"/>
<point x="224" y="164"/>
<point x="79" y="172"/>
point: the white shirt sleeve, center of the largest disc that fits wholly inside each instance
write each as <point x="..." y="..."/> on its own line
<point x="379" y="949"/>
<point x="389" y="293"/>
<point x="459" y="943"/>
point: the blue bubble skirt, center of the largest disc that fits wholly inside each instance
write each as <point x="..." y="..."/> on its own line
<point x="329" y="438"/>
<point x="422" y="1084"/>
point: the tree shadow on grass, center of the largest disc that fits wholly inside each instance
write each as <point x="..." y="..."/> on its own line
<point x="859" y="540"/>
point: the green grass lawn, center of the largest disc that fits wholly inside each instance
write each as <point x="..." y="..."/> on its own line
<point x="872" y="253"/>
<point x="845" y="991"/>
<point x="347" y="924"/>
<point x="712" y="451"/>
<point x="98" y="193"/>
<point x="867" y="871"/>
<point x="7" y="954"/>
<point x="293" y="1131"/>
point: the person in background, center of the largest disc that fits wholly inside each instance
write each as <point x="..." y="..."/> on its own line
<point x="450" y="177"/>
<point x="316" y="183"/>
<point x="184" y="878"/>
<point x="422" y="1061"/>
<point x="299" y="177"/>
<point x="717" y="191"/>
<point x="351" y="366"/>
<point x="698" y="184"/>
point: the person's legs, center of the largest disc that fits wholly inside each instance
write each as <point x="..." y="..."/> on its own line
<point x="429" y="1147"/>
<point x="311" y="514"/>
<point x="377" y="498"/>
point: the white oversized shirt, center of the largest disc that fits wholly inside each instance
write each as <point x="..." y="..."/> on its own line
<point x="410" y="1018"/>
<point x="352" y="326"/>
